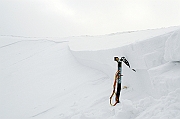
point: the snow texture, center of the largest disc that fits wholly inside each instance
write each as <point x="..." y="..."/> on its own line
<point x="172" y="47"/>
<point x="72" y="78"/>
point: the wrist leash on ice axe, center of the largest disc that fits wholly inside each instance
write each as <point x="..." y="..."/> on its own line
<point x="118" y="82"/>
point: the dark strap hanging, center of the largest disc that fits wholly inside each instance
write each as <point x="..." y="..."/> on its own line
<point x="114" y="87"/>
<point x="117" y="81"/>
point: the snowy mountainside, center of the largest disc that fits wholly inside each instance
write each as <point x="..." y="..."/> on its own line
<point x="148" y="57"/>
<point x="71" y="78"/>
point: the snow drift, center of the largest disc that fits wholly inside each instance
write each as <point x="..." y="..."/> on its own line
<point x="72" y="78"/>
<point x="157" y="75"/>
<point x="143" y="54"/>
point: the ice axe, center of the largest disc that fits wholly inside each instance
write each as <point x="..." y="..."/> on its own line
<point x="119" y="61"/>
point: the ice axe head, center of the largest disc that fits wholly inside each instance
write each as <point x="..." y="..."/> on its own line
<point x="123" y="59"/>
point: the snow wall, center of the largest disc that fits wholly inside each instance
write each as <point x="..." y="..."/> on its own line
<point x="142" y="55"/>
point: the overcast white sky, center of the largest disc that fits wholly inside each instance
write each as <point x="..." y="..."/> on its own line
<point x="62" y="18"/>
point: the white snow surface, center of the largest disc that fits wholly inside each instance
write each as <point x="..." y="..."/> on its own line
<point x="72" y="78"/>
<point x="172" y="47"/>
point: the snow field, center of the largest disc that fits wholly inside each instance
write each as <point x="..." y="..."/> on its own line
<point x="40" y="78"/>
<point x="46" y="78"/>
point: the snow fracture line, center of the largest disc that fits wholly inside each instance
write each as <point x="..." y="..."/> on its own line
<point x="43" y="112"/>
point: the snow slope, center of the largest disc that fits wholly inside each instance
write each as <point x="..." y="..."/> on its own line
<point x="40" y="76"/>
<point x="51" y="78"/>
